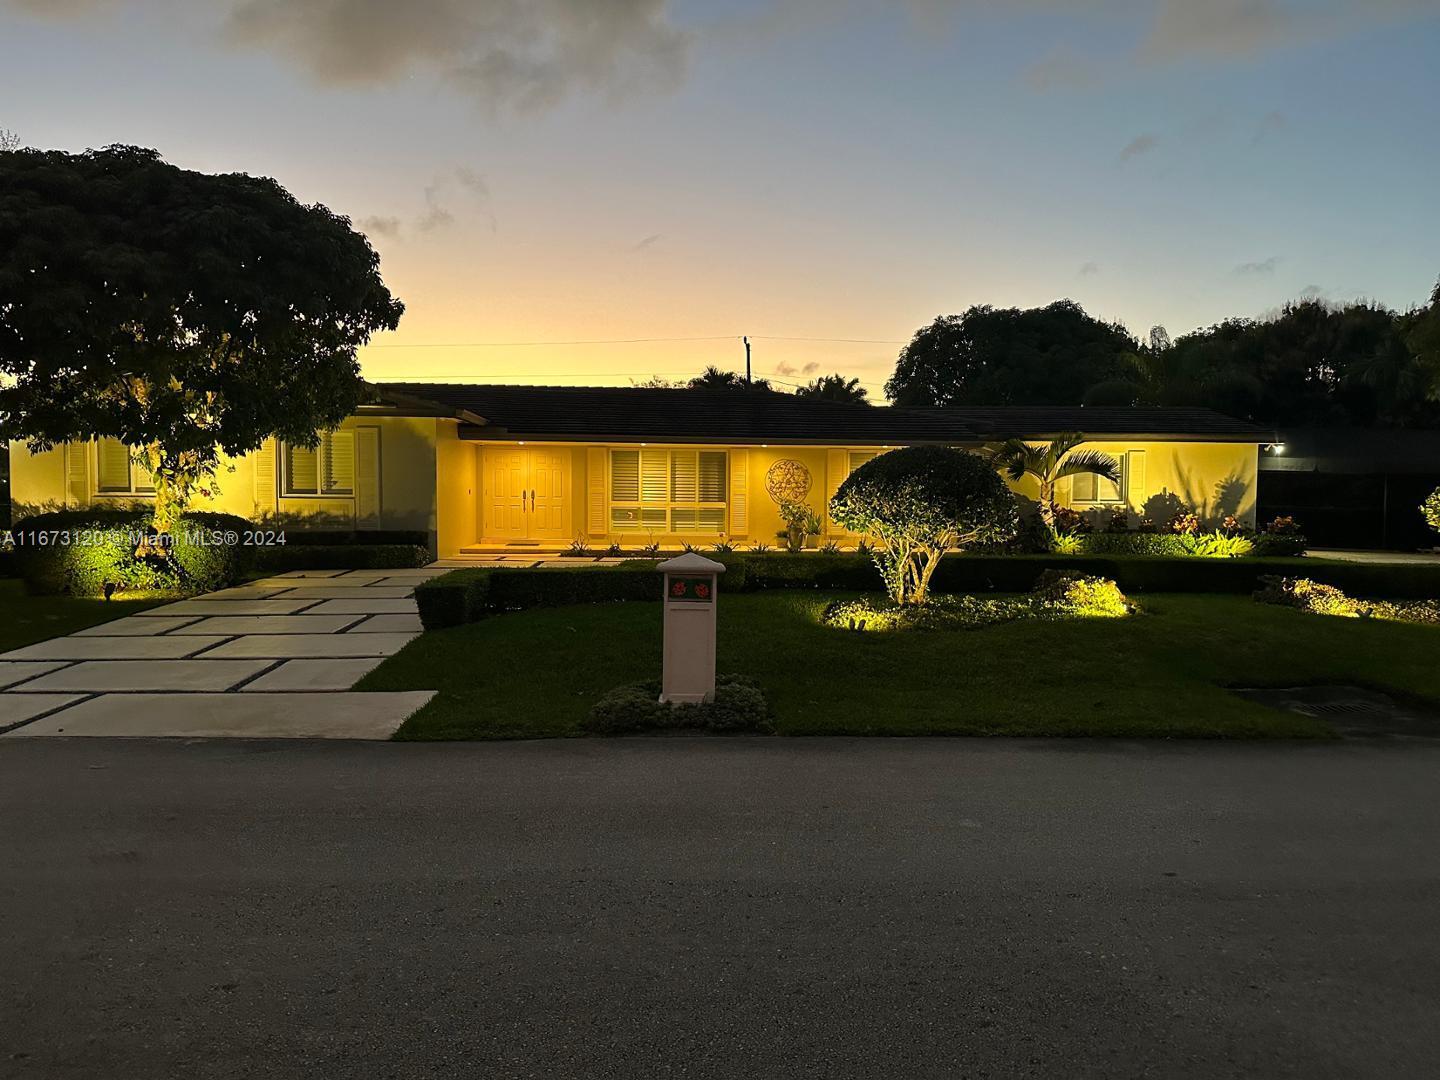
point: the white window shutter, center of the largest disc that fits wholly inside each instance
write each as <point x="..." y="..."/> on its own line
<point x="77" y="473"/>
<point x="337" y="474"/>
<point x="837" y="468"/>
<point x="739" y="492"/>
<point x="367" y="477"/>
<point x="1135" y="490"/>
<point x="654" y="476"/>
<point x="595" y="491"/>
<point x="112" y="465"/>
<point x="266" y="487"/>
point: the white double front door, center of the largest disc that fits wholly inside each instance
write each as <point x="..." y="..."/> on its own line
<point x="526" y="493"/>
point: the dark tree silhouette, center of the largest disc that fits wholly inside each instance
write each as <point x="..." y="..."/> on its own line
<point x="994" y="356"/>
<point x="183" y="314"/>
<point x="834" y="388"/>
<point x="712" y="378"/>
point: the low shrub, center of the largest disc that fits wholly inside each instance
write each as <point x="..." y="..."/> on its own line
<point x="1082" y="595"/>
<point x="1317" y="598"/>
<point x="1057" y="595"/>
<point x="1430" y="508"/>
<point x="82" y="552"/>
<point x="342" y="557"/>
<point x="459" y="597"/>
<point x="939" y="612"/>
<point x="517" y="589"/>
<point x="471" y="594"/>
<point x="739" y="705"/>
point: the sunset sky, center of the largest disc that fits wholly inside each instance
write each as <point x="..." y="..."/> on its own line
<point x="564" y="171"/>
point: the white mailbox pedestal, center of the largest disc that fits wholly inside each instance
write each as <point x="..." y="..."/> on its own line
<point x="688" y="674"/>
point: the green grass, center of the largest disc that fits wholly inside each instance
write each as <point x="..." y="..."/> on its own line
<point x="535" y="674"/>
<point x="26" y="619"/>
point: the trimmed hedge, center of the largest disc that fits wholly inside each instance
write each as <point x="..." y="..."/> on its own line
<point x="739" y="705"/>
<point x="342" y="557"/>
<point x="352" y="537"/>
<point x="467" y="595"/>
<point x="80" y="552"/>
<point x="463" y="596"/>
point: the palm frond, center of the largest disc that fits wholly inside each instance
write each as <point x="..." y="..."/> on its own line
<point x="1090" y="461"/>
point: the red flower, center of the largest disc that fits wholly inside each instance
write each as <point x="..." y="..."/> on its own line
<point x="702" y="591"/>
<point x="677" y="589"/>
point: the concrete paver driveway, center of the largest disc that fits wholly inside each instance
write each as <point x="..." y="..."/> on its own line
<point x="266" y="659"/>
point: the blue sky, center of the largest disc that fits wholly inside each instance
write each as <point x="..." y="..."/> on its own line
<point x="558" y="170"/>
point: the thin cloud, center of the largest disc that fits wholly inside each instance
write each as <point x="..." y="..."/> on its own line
<point x="507" y="55"/>
<point x="1264" y="266"/>
<point x="1089" y="269"/>
<point x="388" y="227"/>
<point x="461" y="180"/>
<point x="1141" y="144"/>
<point x="646" y="244"/>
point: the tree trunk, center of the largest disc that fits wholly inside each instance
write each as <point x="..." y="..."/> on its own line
<point x="1047" y="503"/>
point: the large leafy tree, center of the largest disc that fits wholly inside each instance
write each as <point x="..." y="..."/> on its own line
<point x="919" y="502"/>
<point x="1009" y="356"/>
<point x="1052" y="462"/>
<point x="834" y="388"/>
<point x="181" y="313"/>
<point x="1313" y="364"/>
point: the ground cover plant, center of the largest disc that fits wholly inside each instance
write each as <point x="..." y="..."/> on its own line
<point x="1316" y="598"/>
<point x="1057" y="595"/>
<point x="1163" y="674"/>
<point x="739" y="706"/>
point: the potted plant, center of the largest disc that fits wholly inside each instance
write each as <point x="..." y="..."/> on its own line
<point x="801" y="525"/>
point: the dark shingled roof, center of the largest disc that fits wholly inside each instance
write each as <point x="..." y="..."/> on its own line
<point x="642" y="414"/>
<point x="1032" y="421"/>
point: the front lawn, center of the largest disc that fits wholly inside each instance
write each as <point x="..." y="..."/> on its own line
<point x="536" y="673"/>
<point x="26" y="619"/>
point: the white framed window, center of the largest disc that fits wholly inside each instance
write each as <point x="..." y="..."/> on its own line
<point x="117" y="472"/>
<point x="325" y="469"/>
<point x="1089" y="488"/>
<point x="668" y="491"/>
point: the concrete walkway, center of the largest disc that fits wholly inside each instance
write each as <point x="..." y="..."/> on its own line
<point x="1392" y="558"/>
<point x="272" y="659"/>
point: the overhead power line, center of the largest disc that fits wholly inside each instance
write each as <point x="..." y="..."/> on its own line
<point x="624" y="341"/>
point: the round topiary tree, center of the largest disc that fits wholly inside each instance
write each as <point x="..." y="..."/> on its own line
<point x="918" y="503"/>
<point x="1431" y="509"/>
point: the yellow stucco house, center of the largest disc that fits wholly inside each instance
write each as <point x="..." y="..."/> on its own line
<point x="485" y="468"/>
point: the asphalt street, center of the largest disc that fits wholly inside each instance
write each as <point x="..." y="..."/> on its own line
<point x="719" y="908"/>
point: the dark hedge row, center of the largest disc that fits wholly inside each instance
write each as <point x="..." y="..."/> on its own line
<point x="309" y="556"/>
<point x="467" y="595"/>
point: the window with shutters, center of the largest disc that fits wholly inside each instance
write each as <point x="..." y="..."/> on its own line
<point x="325" y="469"/>
<point x="668" y="491"/>
<point x="860" y="457"/>
<point x="1087" y="488"/>
<point x="117" y="472"/>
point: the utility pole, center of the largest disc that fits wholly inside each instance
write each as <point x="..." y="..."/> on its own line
<point x="747" y="359"/>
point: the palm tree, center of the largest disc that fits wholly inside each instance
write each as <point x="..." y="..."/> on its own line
<point x="712" y="378"/>
<point x="834" y="388"/>
<point x="1052" y="462"/>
